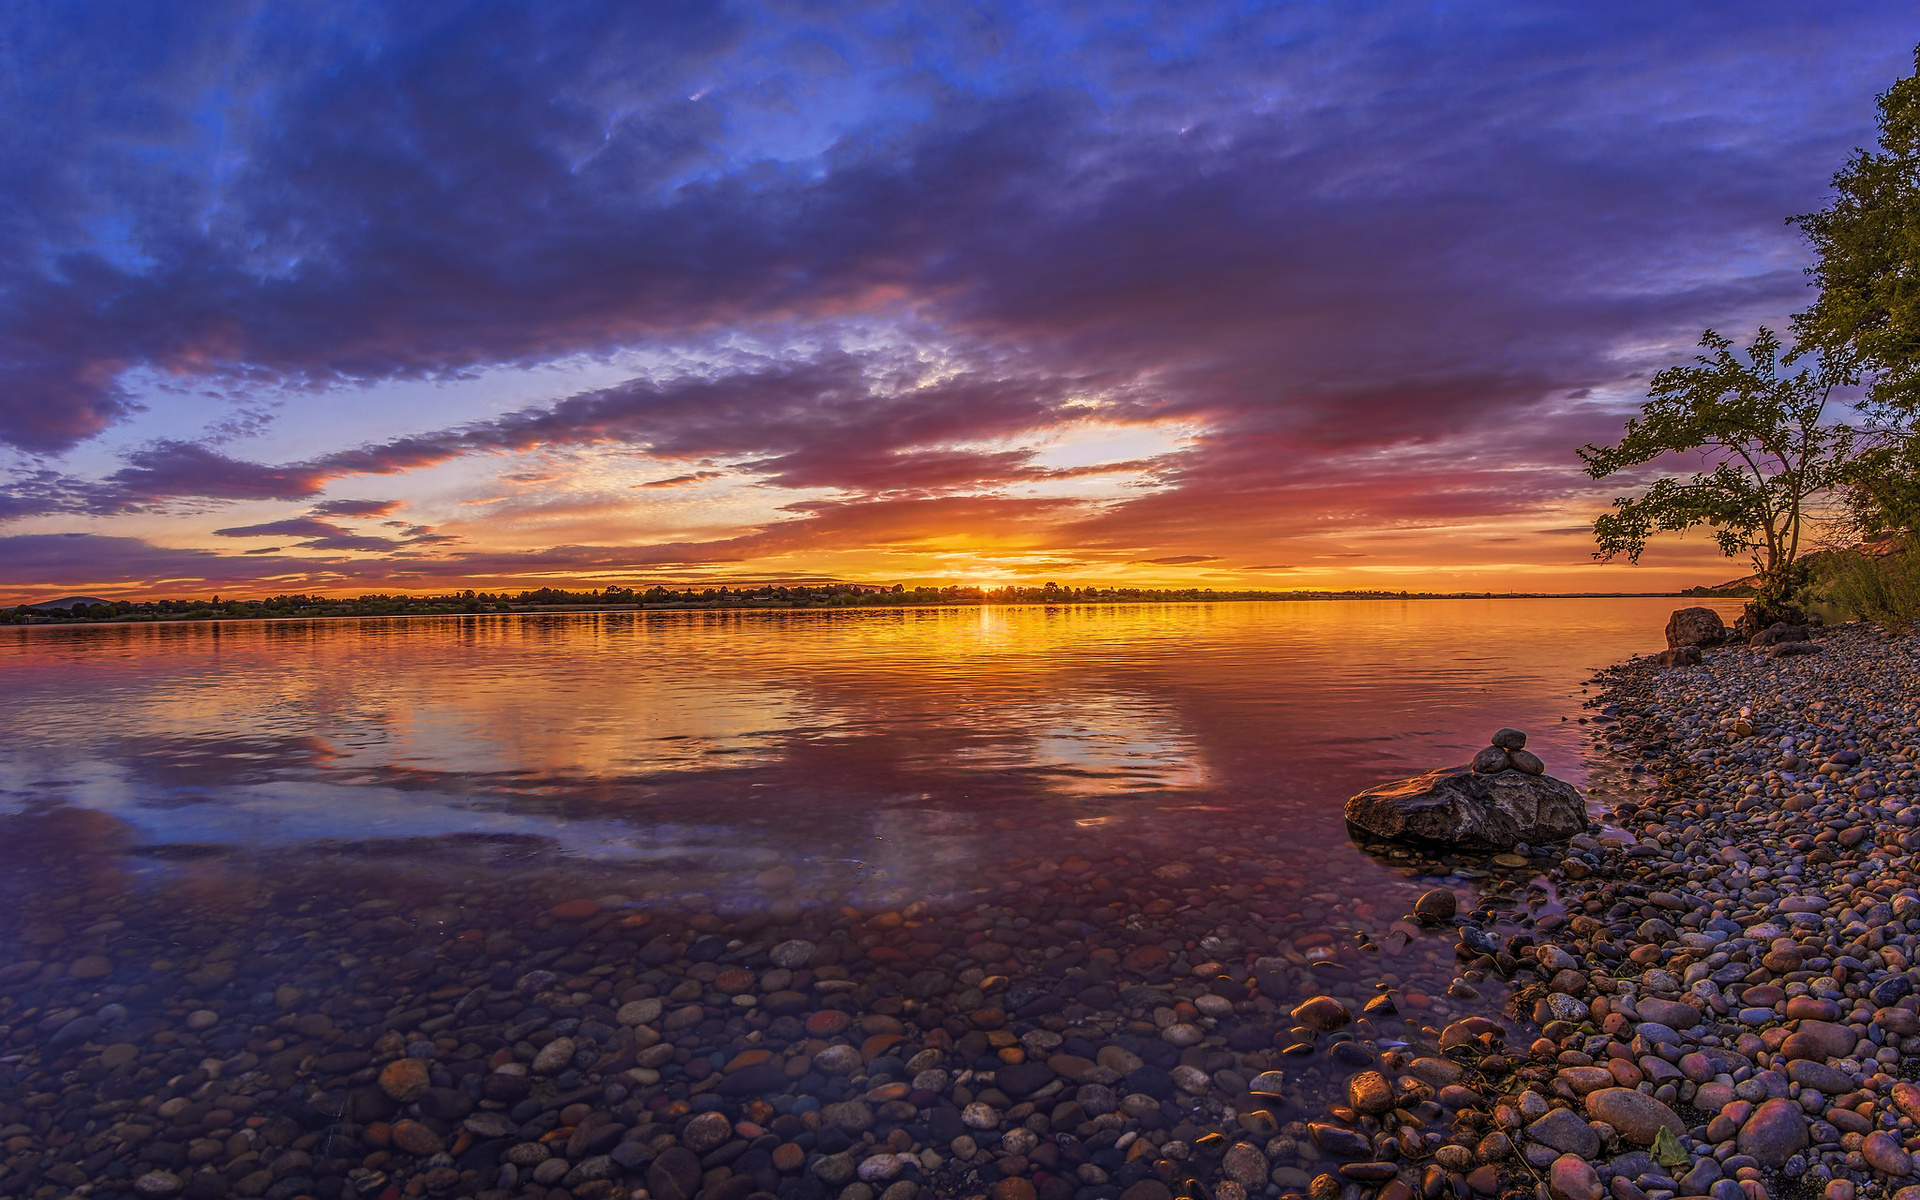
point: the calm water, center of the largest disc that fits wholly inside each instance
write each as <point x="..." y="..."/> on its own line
<point x="878" y="746"/>
<point x="244" y="866"/>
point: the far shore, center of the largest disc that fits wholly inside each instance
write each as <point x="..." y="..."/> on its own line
<point x="755" y="604"/>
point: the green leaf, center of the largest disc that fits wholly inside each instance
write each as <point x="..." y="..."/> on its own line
<point x="1769" y="454"/>
<point x="1667" y="1150"/>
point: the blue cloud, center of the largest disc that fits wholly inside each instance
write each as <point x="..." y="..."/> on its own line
<point x="1319" y="227"/>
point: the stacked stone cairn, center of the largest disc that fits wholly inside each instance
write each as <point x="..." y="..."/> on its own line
<point x="1508" y="753"/>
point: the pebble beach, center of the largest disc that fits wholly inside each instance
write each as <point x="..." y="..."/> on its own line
<point x="1708" y="995"/>
<point x="1736" y="967"/>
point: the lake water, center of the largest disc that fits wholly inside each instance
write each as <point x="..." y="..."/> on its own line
<point x="631" y="738"/>
<point x="1148" y="796"/>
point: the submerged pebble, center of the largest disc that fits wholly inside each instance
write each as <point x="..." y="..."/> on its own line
<point x="1711" y="996"/>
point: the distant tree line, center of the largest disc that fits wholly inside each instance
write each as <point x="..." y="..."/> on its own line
<point x="787" y="596"/>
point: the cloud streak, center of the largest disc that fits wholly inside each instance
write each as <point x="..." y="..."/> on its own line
<point x="1381" y="268"/>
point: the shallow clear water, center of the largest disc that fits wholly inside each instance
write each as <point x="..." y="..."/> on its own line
<point x="244" y="867"/>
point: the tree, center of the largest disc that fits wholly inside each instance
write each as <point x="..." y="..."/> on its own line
<point x="1867" y="315"/>
<point x="1766" y="447"/>
<point x="1866" y="319"/>
<point x="1882" y="491"/>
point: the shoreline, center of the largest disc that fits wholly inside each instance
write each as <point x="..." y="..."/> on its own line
<point x="542" y="610"/>
<point x="1743" y="953"/>
<point x="1124" y="1026"/>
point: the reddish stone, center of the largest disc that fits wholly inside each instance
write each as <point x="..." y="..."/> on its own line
<point x="1142" y="960"/>
<point x="575" y="910"/>
<point x="745" y="1059"/>
<point x="1906" y="1097"/>
<point x="416" y="1139"/>
<point x="405" y="1079"/>
<point x="827" y="1022"/>
<point x="879" y="1044"/>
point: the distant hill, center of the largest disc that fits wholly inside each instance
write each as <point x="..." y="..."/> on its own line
<point x="66" y="602"/>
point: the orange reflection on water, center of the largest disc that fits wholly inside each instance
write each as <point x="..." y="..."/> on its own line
<point x="600" y="728"/>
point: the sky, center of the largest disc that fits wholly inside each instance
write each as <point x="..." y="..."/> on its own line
<point x="422" y="296"/>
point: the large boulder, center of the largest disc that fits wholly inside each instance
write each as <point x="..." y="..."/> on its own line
<point x="1474" y="810"/>
<point x="1695" y="627"/>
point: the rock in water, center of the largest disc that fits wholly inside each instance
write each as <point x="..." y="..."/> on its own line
<point x="1695" y="627"/>
<point x="1436" y="905"/>
<point x="1370" y="1093"/>
<point x="1455" y="806"/>
<point x="1509" y="739"/>
<point x="1323" y="1013"/>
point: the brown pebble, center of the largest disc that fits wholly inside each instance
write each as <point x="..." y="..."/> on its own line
<point x="1439" y="904"/>
<point x="1323" y="1013"/>
<point x="416" y="1139"/>
<point x="1014" y="1189"/>
<point x="405" y="1079"/>
<point x="93" y="966"/>
<point x="1370" y="1093"/>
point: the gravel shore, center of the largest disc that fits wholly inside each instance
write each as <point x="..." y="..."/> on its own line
<point x="1729" y="1009"/>
<point x="1709" y="997"/>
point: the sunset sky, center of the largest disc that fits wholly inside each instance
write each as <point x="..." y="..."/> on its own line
<point x="416" y="296"/>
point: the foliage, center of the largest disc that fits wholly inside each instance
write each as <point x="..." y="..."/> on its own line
<point x="1767" y="447"/>
<point x="1883" y="588"/>
<point x="1881" y="490"/>
<point x="1667" y="1150"/>
<point x="1866" y="320"/>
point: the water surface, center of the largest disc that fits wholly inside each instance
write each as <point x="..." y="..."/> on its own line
<point x="883" y="742"/>
<point x="245" y="866"/>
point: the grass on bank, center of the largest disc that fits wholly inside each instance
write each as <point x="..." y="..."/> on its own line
<point x="1882" y="588"/>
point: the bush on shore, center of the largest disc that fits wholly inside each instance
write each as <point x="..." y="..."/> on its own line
<point x="1883" y="588"/>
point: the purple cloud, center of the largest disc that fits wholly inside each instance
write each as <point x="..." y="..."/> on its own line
<point x="355" y="508"/>
<point x="292" y="527"/>
<point x="686" y="480"/>
<point x="1325" y="239"/>
<point x="399" y="212"/>
<point x="325" y="535"/>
